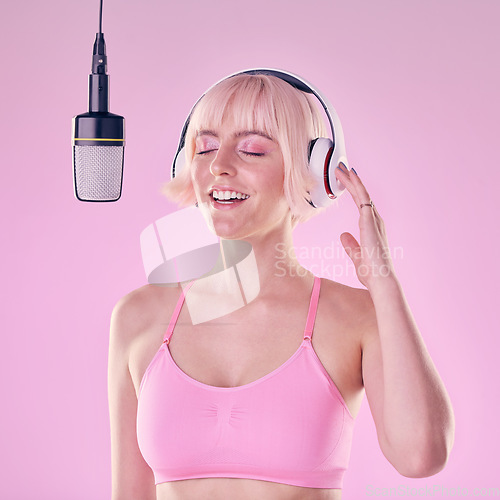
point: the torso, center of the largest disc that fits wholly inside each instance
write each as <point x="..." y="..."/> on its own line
<point x="261" y="336"/>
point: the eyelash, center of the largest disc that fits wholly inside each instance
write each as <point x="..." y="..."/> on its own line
<point x="244" y="152"/>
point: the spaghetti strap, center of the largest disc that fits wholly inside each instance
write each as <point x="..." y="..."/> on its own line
<point x="175" y="315"/>
<point x="313" y="305"/>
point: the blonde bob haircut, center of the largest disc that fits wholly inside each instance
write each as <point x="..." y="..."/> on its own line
<point x="268" y="104"/>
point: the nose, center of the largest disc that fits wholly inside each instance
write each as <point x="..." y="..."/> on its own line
<point x="222" y="164"/>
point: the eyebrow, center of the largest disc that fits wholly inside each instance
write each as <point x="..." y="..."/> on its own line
<point x="242" y="133"/>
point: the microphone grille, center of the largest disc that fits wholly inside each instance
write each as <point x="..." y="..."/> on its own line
<point x="98" y="172"/>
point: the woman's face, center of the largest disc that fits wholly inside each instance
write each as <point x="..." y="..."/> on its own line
<point x="238" y="178"/>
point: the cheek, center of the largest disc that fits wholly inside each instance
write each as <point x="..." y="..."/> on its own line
<point x="278" y="180"/>
<point x="280" y="188"/>
<point x="197" y="176"/>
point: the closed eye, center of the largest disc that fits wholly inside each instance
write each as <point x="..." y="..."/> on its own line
<point x="206" y="152"/>
<point x="248" y="153"/>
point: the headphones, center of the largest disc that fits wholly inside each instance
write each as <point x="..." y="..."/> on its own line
<point x="324" y="154"/>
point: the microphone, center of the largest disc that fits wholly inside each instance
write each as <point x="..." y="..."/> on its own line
<point x="98" y="137"/>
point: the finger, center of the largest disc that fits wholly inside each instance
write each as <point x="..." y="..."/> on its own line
<point x="344" y="176"/>
<point x="351" y="246"/>
<point x="355" y="187"/>
<point x="360" y="188"/>
<point x="362" y="196"/>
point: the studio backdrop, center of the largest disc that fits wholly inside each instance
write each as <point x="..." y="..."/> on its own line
<point x="416" y="86"/>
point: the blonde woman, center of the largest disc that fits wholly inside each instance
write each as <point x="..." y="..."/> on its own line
<point x="258" y="401"/>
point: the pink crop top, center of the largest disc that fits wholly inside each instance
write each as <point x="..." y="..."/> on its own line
<point x="290" y="426"/>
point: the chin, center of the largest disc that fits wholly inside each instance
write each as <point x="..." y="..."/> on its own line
<point x="228" y="233"/>
<point x="228" y="229"/>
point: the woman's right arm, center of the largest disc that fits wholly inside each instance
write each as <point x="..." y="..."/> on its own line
<point x="131" y="477"/>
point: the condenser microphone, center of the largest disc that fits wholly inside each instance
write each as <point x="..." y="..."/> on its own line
<point x="98" y="137"/>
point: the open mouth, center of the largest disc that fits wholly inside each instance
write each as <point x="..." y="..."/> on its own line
<point x="228" y="197"/>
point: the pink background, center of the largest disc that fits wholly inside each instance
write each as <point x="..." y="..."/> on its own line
<point x="416" y="86"/>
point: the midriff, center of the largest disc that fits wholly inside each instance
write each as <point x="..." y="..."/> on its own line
<point x="240" y="489"/>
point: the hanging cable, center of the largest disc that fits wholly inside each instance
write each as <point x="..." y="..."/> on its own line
<point x="100" y="18"/>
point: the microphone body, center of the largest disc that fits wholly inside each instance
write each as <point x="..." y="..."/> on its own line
<point x="98" y="138"/>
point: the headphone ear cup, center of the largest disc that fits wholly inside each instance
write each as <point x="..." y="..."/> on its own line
<point x="324" y="158"/>
<point x="178" y="163"/>
<point x="320" y="150"/>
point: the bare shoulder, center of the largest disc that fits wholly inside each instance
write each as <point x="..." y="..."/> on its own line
<point x="355" y="303"/>
<point x="137" y="310"/>
<point x="351" y="309"/>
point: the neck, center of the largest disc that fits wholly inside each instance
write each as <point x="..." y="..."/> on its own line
<point x="273" y="258"/>
<point x="260" y="266"/>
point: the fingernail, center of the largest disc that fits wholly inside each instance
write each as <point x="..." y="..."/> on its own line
<point x="354" y="171"/>
<point x="341" y="166"/>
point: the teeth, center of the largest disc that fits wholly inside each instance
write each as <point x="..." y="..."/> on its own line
<point x="228" y="195"/>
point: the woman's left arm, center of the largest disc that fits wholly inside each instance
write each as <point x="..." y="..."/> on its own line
<point x="409" y="403"/>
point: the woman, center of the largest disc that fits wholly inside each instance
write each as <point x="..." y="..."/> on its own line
<point x="258" y="398"/>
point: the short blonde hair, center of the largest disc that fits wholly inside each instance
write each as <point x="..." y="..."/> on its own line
<point x="268" y="104"/>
